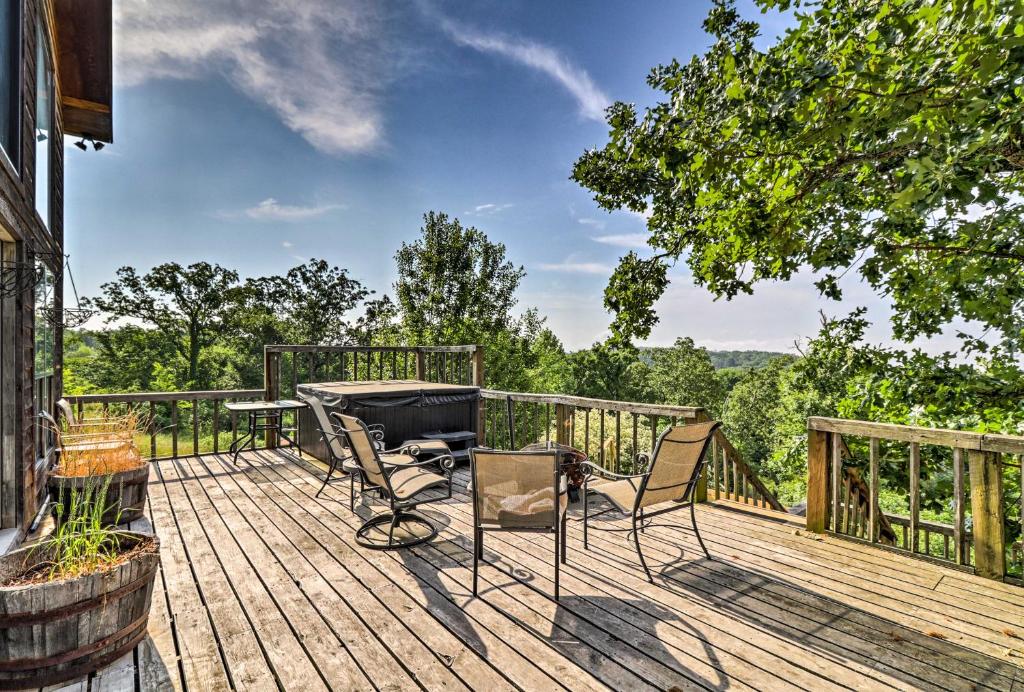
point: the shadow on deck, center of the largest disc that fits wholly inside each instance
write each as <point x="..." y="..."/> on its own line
<point x="263" y="586"/>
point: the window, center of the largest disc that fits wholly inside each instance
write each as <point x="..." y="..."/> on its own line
<point x="44" y="347"/>
<point x="10" y="80"/>
<point x="44" y="118"/>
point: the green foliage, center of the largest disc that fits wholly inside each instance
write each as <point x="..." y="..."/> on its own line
<point x="753" y="409"/>
<point x="882" y="136"/>
<point x="454" y="285"/>
<point x="685" y="375"/>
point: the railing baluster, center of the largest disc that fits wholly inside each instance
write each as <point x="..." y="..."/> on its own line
<point x="915" y="494"/>
<point x="174" y="429"/>
<point x="602" y="440"/>
<point x="714" y="470"/>
<point x="152" y="428"/>
<point x="586" y="433"/>
<point x="195" y="427"/>
<point x="216" y="426"/>
<point x="873" y="510"/>
<point x="618" y="441"/>
<point x="847" y="492"/>
<point x="837" y="468"/>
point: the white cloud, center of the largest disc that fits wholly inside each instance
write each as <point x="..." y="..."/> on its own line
<point x="286" y="244"/>
<point x="572" y="267"/>
<point x="589" y="97"/>
<point x="321" y="66"/>
<point x="487" y="209"/>
<point x="596" y="223"/>
<point x="272" y="210"/>
<point x="629" y="240"/>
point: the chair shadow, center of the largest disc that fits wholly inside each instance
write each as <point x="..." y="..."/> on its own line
<point x="645" y="615"/>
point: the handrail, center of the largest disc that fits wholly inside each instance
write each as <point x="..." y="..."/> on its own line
<point x="145" y="397"/>
<point x="589" y="403"/>
<point x="308" y="348"/>
<point x="962" y="439"/>
<point x="978" y="470"/>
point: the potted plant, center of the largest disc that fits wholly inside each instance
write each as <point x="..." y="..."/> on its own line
<point x="105" y="449"/>
<point x="78" y="599"/>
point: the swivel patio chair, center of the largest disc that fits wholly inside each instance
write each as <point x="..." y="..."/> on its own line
<point x="401" y="481"/>
<point x="517" y="491"/>
<point x="672" y="476"/>
<point x="338" y="456"/>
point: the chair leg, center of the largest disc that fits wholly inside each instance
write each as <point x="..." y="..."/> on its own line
<point x="693" y="519"/>
<point x="639" y="552"/>
<point x="327" y="478"/>
<point x="586" y="514"/>
<point x="558" y="556"/>
<point x="641" y="520"/>
<point x="565" y="517"/>
<point x="477" y="547"/>
<point x="352" y="492"/>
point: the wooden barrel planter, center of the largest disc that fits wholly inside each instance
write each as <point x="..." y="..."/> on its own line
<point x="125" y="495"/>
<point x="58" y="630"/>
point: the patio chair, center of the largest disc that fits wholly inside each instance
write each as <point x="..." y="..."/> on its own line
<point x="75" y="426"/>
<point x="402" y="482"/>
<point x="338" y="455"/>
<point x="517" y="491"/>
<point x="671" y="477"/>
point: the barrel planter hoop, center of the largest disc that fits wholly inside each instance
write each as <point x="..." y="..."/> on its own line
<point x="126" y="493"/>
<point x="55" y="631"/>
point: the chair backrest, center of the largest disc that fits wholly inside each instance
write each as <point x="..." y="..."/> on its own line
<point x="515" y="489"/>
<point x="331" y="438"/>
<point x="364" y="451"/>
<point x="676" y="464"/>
<point x="69" y="413"/>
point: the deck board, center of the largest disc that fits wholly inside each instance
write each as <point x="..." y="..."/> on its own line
<point x="262" y="586"/>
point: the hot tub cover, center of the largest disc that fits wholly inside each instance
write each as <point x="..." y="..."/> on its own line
<point x="389" y="393"/>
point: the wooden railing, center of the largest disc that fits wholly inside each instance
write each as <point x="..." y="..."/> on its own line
<point x="612" y="433"/>
<point x="287" y="365"/>
<point x="978" y="463"/>
<point x="177" y="423"/>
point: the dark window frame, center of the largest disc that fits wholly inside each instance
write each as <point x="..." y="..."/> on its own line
<point x="17" y="35"/>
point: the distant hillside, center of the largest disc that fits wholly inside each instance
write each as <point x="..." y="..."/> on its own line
<point x="728" y="359"/>
<point x="743" y="359"/>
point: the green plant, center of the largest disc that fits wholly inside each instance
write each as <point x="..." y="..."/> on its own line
<point x="82" y="542"/>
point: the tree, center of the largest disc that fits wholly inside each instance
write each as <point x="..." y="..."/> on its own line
<point x="752" y="410"/>
<point x="609" y="371"/>
<point x="454" y="285"/>
<point x="189" y="306"/>
<point x="313" y="300"/>
<point x="883" y="135"/>
<point x="683" y="375"/>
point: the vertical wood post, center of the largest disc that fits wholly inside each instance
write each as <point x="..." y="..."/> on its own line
<point x="420" y="365"/>
<point x="817" y="480"/>
<point x="987" y="511"/>
<point x="915" y="497"/>
<point x="836" y="482"/>
<point x="873" y="512"/>
<point x="476" y="375"/>
<point x="958" y="507"/>
<point x="271" y="387"/>
<point x="563" y="415"/>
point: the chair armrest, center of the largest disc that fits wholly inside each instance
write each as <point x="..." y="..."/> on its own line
<point x="589" y="468"/>
<point x="446" y="461"/>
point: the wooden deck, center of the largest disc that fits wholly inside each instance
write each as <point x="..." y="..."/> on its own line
<point x="263" y="587"/>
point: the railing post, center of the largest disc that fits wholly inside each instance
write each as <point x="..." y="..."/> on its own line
<point x="420" y="365"/>
<point x="477" y="379"/>
<point x="271" y="386"/>
<point x="817" y="480"/>
<point x="562" y="418"/>
<point x="987" y="511"/>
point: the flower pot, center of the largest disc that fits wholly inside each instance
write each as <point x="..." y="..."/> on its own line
<point x="126" y="493"/>
<point x="58" y="630"/>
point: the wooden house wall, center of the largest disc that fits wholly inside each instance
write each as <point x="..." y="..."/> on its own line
<point x="21" y="478"/>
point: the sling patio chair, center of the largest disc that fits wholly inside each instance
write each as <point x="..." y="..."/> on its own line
<point x="401" y="481"/>
<point x="671" y="477"/>
<point x="87" y="426"/>
<point x="338" y="455"/>
<point x="517" y="491"/>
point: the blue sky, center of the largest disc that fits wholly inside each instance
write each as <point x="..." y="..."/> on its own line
<point x="259" y="134"/>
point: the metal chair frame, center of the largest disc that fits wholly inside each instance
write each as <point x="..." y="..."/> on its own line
<point x="335" y="462"/>
<point x="640" y="519"/>
<point x="559" y="529"/>
<point x="399" y="510"/>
